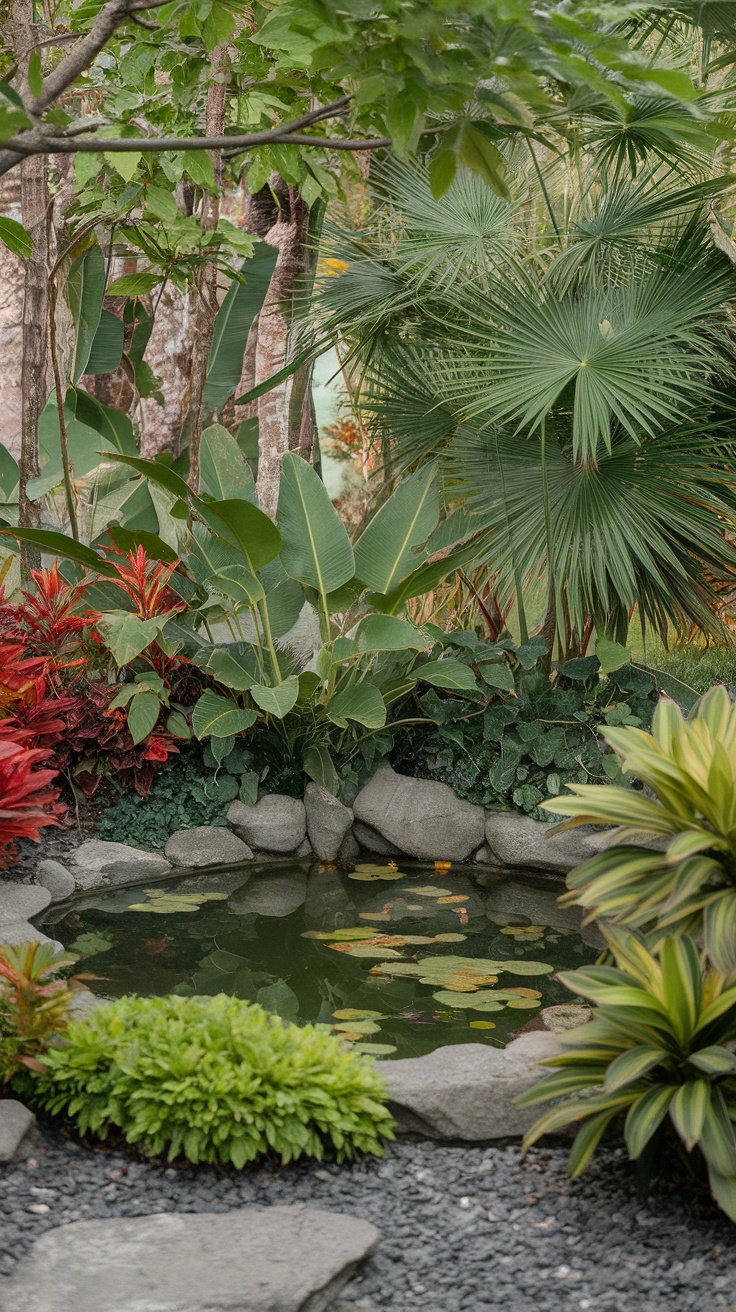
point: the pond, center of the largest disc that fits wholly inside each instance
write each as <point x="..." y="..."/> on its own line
<point x="398" y="960"/>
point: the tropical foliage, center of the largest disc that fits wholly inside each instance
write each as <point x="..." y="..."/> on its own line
<point x="686" y="884"/>
<point x="658" y="1054"/>
<point x="34" y="1005"/>
<point x="214" y="1080"/>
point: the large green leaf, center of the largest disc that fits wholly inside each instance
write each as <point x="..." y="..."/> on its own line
<point x="158" y="471"/>
<point x="279" y="700"/>
<point x="224" y="470"/>
<point x="315" y="547"/>
<point x="320" y="767"/>
<point x="243" y="525"/>
<point x="107" y="347"/>
<point x="389" y="548"/>
<point x="448" y="673"/>
<point x="57" y="544"/>
<point x="15" y="237"/>
<point x="362" y="703"/>
<point x="219" y="717"/>
<point x="143" y="712"/>
<point x="126" y="636"/>
<point x="389" y="633"/>
<point x="234" y="319"/>
<point x="239" y="584"/>
<point x="234" y="670"/>
<point x="85" y="290"/>
<point x="113" y="425"/>
<point x="128" y="540"/>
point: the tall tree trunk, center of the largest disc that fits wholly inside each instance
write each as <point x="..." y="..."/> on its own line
<point x="12" y="278"/>
<point x="279" y="426"/>
<point x="204" y="309"/>
<point x="22" y="35"/>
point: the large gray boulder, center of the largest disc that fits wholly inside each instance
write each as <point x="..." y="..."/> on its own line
<point x="423" y="818"/>
<point x="328" y="821"/>
<point x="99" y="864"/>
<point x="468" y="1090"/>
<point x="269" y="1259"/>
<point x="15" y="932"/>
<point x="20" y="901"/>
<point x="55" y="877"/>
<point x="276" y="823"/>
<point x="205" y="846"/>
<point x="372" y="841"/>
<point x="16" y="1125"/>
<point x="517" y="841"/>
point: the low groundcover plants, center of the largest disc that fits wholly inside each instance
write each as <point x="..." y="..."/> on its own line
<point x="214" y="1079"/>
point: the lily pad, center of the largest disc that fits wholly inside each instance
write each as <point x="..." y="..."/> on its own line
<point x="450" y="938"/>
<point x="375" y="1049"/>
<point x="482" y="1024"/>
<point x="91" y="944"/>
<point x="524" y="1004"/>
<point x="430" y="890"/>
<point x="369" y="873"/>
<point x="357" y="1027"/>
<point x="377" y="951"/>
<point x="163" y="908"/>
<point x="356" y="1013"/>
<point x="464" y="974"/>
<point x="482" y="1000"/>
<point x="339" y="935"/>
<point x="455" y="897"/>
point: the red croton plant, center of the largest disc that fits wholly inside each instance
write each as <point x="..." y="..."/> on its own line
<point x="56" y="684"/>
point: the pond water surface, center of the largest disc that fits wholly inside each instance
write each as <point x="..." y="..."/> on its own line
<point x="399" y="960"/>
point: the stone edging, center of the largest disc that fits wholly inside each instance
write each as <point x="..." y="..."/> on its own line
<point x="393" y="815"/>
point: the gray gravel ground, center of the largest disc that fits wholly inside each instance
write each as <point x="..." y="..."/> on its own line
<point x="464" y="1229"/>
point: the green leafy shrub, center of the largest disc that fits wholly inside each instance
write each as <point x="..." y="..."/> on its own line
<point x="689" y="768"/>
<point x="187" y="793"/>
<point x="215" y="1079"/>
<point x="34" y="1004"/>
<point x="523" y="739"/>
<point x="657" y="1054"/>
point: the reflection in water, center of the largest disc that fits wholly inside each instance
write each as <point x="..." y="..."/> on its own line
<point x="398" y="961"/>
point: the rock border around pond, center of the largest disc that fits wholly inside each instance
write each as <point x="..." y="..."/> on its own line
<point x="393" y="815"/>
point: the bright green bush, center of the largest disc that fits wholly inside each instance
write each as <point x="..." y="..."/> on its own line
<point x="214" y="1079"/>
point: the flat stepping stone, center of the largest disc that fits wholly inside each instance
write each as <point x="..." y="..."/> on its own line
<point x="21" y="901"/>
<point x="258" y="1259"/>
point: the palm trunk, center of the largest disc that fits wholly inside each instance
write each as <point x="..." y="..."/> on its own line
<point x="279" y="426"/>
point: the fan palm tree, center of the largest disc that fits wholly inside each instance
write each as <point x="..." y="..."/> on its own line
<point x="575" y="378"/>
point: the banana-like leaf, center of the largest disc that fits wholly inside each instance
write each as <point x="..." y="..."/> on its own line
<point x="362" y="703"/>
<point x="107" y="346"/>
<point x="85" y="291"/>
<point x="239" y="583"/>
<point x="278" y="700"/>
<point x="230" y="668"/>
<point x="233" y="323"/>
<point x="57" y="544"/>
<point x="219" y="717"/>
<point x="224" y="470"/>
<point x="389" y="633"/>
<point x="243" y="525"/>
<point x="390" y="547"/>
<point x="315" y="548"/>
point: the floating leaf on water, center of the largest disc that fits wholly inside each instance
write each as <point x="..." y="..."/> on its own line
<point x="526" y="993"/>
<point x="414" y="940"/>
<point x="163" y="909"/>
<point x="358" y="1027"/>
<point x="481" y="1000"/>
<point x="523" y="929"/>
<point x="374" y="915"/>
<point x="482" y="1024"/>
<point x="455" y="897"/>
<point x="365" y="950"/>
<point x="442" y="867"/>
<point x="91" y="944"/>
<point x="279" y="998"/>
<point x="464" y="973"/>
<point x="356" y="1013"/>
<point x="430" y="890"/>
<point x="368" y="873"/>
<point x="375" y="1049"/>
<point x="338" y="935"/>
<point x="450" y="938"/>
<point x="524" y="1004"/>
<point x="348" y="1035"/>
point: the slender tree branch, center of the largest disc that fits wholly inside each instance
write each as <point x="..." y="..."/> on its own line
<point x="37" y="144"/>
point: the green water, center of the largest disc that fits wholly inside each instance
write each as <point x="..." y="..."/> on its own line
<point x="251" y="943"/>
